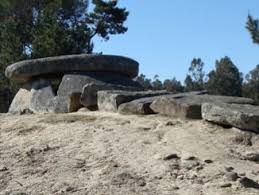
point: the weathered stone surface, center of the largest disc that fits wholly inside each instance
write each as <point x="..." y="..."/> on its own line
<point x="41" y="93"/>
<point x="139" y="106"/>
<point x="58" y="104"/>
<point x="111" y="100"/>
<point x="89" y="92"/>
<point x="74" y="83"/>
<point x="21" y="101"/>
<point x="241" y="116"/>
<point x="58" y="66"/>
<point x="33" y="96"/>
<point x="74" y="102"/>
<point x="190" y="106"/>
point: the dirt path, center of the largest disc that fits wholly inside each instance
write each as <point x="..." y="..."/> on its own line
<point x="110" y="154"/>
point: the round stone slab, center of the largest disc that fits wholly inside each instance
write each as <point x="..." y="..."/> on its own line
<point x="60" y="65"/>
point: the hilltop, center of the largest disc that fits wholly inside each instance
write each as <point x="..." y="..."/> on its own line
<point x="108" y="153"/>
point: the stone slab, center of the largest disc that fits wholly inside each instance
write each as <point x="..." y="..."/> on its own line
<point x="60" y="65"/>
<point x="241" y="116"/>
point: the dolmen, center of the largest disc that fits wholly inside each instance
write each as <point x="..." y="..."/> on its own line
<point x="104" y="82"/>
<point x="76" y="77"/>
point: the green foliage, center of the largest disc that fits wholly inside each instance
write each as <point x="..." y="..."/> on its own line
<point x="173" y="85"/>
<point x="226" y="79"/>
<point x="156" y="83"/>
<point x="195" y="78"/>
<point x="251" y="85"/>
<point x="252" y="26"/>
<point x="144" y="82"/>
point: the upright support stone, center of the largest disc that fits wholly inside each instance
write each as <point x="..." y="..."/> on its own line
<point x="32" y="97"/>
<point x="41" y="92"/>
<point x="74" y="83"/>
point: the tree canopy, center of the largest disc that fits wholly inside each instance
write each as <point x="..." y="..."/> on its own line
<point x="41" y="28"/>
<point x="252" y="26"/>
<point x="195" y="78"/>
<point x="225" y="79"/>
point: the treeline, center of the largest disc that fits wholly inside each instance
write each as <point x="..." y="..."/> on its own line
<point x="225" y="79"/>
<point x="41" y="28"/>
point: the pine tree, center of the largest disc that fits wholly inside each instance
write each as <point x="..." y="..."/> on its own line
<point x="225" y="79"/>
<point x="251" y="85"/>
<point x="173" y="85"/>
<point x="144" y="82"/>
<point x="252" y="26"/>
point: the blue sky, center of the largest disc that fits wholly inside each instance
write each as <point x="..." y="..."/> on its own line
<point x="164" y="36"/>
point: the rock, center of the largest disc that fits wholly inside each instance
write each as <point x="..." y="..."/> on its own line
<point x="21" y="101"/>
<point x="89" y="92"/>
<point x="58" y="104"/>
<point x="111" y="100"/>
<point x="208" y="161"/>
<point x="241" y="116"/>
<point x="83" y="110"/>
<point x="248" y="183"/>
<point x="74" y="102"/>
<point x="171" y="156"/>
<point x="189" y="106"/>
<point x="32" y="97"/>
<point x="229" y="169"/>
<point x="231" y="176"/>
<point x="225" y="185"/>
<point x="3" y="168"/>
<point x="139" y="106"/>
<point x="57" y="66"/>
<point x="41" y="92"/>
<point x="251" y="156"/>
<point x="74" y="83"/>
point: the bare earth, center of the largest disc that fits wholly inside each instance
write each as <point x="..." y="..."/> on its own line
<point x="110" y="154"/>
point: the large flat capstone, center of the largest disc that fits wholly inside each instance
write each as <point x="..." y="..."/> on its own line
<point x="241" y="116"/>
<point x="111" y="100"/>
<point x="190" y="106"/>
<point x="60" y="65"/>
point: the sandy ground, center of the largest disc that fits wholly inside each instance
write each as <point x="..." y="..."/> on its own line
<point x="109" y="154"/>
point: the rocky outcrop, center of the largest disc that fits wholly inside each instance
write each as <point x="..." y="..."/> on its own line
<point x="241" y="116"/>
<point x="111" y="100"/>
<point x="89" y="92"/>
<point x="57" y="66"/>
<point x="190" y="106"/>
<point x="33" y="96"/>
